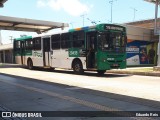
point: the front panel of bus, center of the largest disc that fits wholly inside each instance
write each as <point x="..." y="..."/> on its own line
<point x="111" y="47"/>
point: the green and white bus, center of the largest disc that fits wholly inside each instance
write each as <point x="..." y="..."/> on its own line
<point x="101" y="47"/>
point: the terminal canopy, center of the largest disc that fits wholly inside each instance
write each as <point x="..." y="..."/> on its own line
<point x="2" y="2"/>
<point x="30" y="25"/>
<point x="153" y="1"/>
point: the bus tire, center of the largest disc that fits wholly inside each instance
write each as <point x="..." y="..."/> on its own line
<point x="30" y="64"/>
<point x="77" y="67"/>
<point x="101" y="72"/>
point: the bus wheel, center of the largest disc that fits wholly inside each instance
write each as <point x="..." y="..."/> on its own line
<point x="77" y="67"/>
<point x="30" y="64"/>
<point x="101" y="72"/>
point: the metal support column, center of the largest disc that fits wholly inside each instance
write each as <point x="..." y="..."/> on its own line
<point x="157" y="31"/>
<point x="4" y="56"/>
<point x="158" y="53"/>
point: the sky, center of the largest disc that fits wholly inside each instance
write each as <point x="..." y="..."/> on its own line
<point x="71" y="11"/>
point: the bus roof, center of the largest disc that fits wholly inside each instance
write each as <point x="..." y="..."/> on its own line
<point x="98" y="26"/>
<point x="23" y="38"/>
<point x="87" y="28"/>
<point x="82" y="28"/>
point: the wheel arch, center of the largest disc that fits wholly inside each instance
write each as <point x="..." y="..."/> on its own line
<point x="74" y="60"/>
<point x="28" y="60"/>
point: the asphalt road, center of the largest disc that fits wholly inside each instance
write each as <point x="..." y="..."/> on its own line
<point x="41" y="90"/>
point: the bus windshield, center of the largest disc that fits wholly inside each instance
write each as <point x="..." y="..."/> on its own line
<point x="111" y="41"/>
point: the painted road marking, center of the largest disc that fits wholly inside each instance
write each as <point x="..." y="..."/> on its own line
<point x="71" y="99"/>
<point x="64" y="97"/>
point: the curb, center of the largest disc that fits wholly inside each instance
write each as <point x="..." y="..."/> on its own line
<point x="156" y="74"/>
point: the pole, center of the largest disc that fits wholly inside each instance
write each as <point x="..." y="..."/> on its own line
<point x="0" y="38"/>
<point x="111" y="2"/>
<point x="11" y="38"/>
<point x="83" y="16"/>
<point x="157" y="31"/>
<point x="134" y="13"/>
<point x="156" y="15"/>
<point x="71" y="24"/>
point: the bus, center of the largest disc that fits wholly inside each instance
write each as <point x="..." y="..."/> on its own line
<point x="100" y="47"/>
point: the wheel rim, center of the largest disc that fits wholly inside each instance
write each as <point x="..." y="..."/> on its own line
<point x="77" y="67"/>
<point x="30" y="65"/>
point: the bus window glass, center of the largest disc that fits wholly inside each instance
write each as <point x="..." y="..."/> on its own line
<point x="78" y="39"/>
<point x="55" y="41"/>
<point x="109" y="41"/>
<point x="29" y="44"/>
<point x="123" y="41"/>
<point x="65" y="40"/>
<point x="17" y="45"/>
<point x="37" y="43"/>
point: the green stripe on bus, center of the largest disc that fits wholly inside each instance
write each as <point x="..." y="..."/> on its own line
<point x="74" y="52"/>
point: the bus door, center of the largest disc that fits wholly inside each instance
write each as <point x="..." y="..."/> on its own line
<point x="91" y="45"/>
<point x="46" y="51"/>
<point x="22" y="52"/>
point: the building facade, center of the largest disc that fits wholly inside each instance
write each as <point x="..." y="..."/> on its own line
<point x="6" y="53"/>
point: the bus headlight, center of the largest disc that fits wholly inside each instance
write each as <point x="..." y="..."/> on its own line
<point x="103" y="60"/>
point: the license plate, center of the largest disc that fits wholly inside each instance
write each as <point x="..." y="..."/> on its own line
<point x="115" y="65"/>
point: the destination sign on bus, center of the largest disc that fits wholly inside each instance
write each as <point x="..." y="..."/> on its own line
<point x="114" y="28"/>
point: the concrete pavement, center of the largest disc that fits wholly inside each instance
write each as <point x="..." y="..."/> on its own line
<point x="26" y="94"/>
<point x="137" y="71"/>
<point x="128" y="70"/>
<point x="145" y="87"/>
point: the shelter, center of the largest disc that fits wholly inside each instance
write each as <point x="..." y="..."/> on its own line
<point x="2" y="3"/>
<point x="23" y="24"/>
<point x="30" y="25"/>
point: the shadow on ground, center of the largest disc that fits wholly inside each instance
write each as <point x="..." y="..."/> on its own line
<point x="86" y="73"/>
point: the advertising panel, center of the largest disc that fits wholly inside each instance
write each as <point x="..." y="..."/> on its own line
<point x="141" y="52"/>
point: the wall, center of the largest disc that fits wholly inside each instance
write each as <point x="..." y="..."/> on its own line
<point x="6" y="56"/>
<point x="137" y="33"/>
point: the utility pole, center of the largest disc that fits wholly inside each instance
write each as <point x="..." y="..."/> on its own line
<point x="11" y="38"/>
<point x="111" y="2"/>
<point x="71" y="23"/>
<point x="83" y="16"/>
<point x="134" y="14"/>
<point x="0" y="38"/>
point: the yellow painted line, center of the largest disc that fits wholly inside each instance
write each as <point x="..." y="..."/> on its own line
<point x="68" y="98"/>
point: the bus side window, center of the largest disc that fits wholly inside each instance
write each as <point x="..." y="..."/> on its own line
<point x="65" y="41"/>
<point x="17" y="45"/>
<point x="55" y="41"/>
<point x="37" y="43"/>
<point x="29" y="44"/>
<point x="78" y="39"/>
